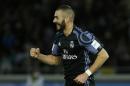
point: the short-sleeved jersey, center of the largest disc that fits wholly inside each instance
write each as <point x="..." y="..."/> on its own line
<point x="75" y="50"/>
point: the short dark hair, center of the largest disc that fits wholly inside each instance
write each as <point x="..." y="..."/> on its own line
<point x="68" y="9"/>
<point x="64" y="7"/>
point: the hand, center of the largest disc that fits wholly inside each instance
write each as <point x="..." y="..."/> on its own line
<point x="34" y="52"/>
<point x="81" y="79"/>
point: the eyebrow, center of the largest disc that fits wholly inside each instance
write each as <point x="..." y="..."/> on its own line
<point x="55" y="16"/>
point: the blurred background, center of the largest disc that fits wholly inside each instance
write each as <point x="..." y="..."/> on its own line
<point x="25" y="24"/>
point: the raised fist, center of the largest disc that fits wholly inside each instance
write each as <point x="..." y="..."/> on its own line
<point x="34" y="52"/>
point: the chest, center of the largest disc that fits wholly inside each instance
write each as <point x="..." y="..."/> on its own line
<point x="69" y="43"/>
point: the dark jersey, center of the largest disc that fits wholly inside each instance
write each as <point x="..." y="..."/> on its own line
<point x="75" y="50"/>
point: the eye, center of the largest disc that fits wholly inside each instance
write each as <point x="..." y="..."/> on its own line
<point x="56" y="17"/>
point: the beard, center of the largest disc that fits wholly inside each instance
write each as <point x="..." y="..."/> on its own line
<point x="60" y="27"/>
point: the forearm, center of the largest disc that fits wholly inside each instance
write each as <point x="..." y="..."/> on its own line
<point x="49" y="59"/>
<point x="100" y="60"/>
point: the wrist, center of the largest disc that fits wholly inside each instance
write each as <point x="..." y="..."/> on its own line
<point x="88" y="72"/>
<point x="37" y="56"/>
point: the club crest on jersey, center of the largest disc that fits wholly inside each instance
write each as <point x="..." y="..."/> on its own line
<point x="71" y="44"/>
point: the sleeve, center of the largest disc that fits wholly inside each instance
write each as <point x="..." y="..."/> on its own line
<point x="55" y="48"/>
<point x="89" y="41"/>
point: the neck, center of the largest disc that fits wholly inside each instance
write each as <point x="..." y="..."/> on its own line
<point x="68" y="29"/>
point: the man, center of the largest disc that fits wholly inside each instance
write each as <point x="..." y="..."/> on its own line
<point x="73" y="47"/>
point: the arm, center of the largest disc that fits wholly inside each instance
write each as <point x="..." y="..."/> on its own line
<point x="49" y="59"/>
<point x="100" y="60"/>
<point x="89" y="41"/>
<point x="94" y="47"/>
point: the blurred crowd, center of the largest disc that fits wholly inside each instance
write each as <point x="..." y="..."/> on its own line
<point x="25" y="24"/>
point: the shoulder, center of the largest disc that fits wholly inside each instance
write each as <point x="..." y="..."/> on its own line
<point x="84" y="36"/>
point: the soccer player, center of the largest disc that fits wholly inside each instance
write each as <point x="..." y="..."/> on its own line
<point x="73" y="47"/>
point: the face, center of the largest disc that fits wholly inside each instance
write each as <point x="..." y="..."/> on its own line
<point x="59" y="19"/>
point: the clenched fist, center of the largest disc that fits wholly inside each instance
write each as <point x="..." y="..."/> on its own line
<point x="34" y="52"/>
